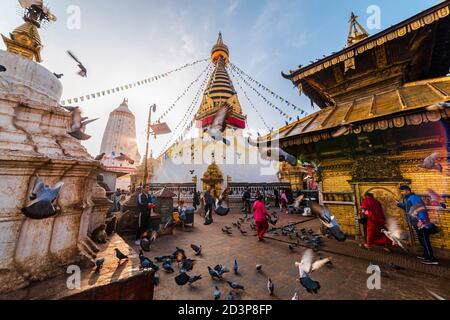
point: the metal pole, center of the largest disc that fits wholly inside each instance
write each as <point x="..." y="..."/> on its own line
<point x="147" y="147"/>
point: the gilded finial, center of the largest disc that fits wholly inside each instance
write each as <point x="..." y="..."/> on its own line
<point x="220" y="50"/>
<point x="355" y="35"/>
<point x="25" y="40"/>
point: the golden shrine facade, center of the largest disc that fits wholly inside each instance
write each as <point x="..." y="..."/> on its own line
<point x="384" y="109"/>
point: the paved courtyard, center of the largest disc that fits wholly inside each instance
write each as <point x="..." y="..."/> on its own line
<point x="347" y="279"/>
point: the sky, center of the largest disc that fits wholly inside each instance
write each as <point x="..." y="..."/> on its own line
<point x="125" y="41"/>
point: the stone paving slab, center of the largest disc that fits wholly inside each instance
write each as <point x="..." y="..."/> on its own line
<point x="346" y="280"/>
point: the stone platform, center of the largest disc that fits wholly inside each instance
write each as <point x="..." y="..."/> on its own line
<point x="115" y="282"/>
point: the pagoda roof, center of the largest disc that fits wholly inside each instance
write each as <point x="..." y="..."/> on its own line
<point x="407" y="105"/>
<point x="418" y="46"/>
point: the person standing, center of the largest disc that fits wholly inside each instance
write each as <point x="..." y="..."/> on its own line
<point x="209" y="205"/>
<point x="247" y="202"/>
<point x="146" y="202"/>
<point x="283" y="202"/>
<point x="375" y="221"/>
<point x="420" y="221"/>
<point x="277" y="198"/>
<point x="196" y="200"/>
<point x="260" y="216"/>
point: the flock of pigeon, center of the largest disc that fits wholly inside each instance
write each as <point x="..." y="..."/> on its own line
<point x="185" y="265"/>
<point x="310" y="261"/>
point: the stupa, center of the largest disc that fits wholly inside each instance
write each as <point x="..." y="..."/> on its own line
<point x="120" y="138"/>
<point x="199" y="159"/>
<point x="34" y="142"/>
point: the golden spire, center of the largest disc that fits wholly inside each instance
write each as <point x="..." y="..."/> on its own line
<point x="220" y="50"/>
<point x="220" y="90"/>
<point x="355" y="35"/>
<point x="25" y="40"/>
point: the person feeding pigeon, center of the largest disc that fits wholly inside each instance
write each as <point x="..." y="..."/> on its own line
<point x="146" y="202"/>
<point x="375" y="221"/>
<point x="260" y="215"/>
<point x="420" y="222"/>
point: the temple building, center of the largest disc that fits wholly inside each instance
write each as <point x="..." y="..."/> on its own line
<point x="119" y="144"/>
<point x="204" y="162"/>
<point x="383" y="103"/>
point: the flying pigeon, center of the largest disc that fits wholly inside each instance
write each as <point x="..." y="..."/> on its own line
<point x="215" y="131"/>
<point x="2" y="68"/>
<point x="220" y="269"/>
<point x="235" y="285"/>
<point x="58" y="75"/>
<point x="197" y="249"/>
<point x="192" y="171"/>
<point x="243" y="232"/>
<point x="230" y="296"/>
<point x="194" y="279"/>
<point x="328" y="221"/>
<point x="78" y="123"/>
<point x="306" y="266"/>
<point x="124" y="157"/>
<point x="120" y="255"/>
<point x="252" y="142"/>
<point x="394" y="233"/>
<point x="99" y="264"/>
<point x="430" y="163"/>
<point x="436" y="199"/>
<point x="282" y="156"/>
<point x="213" y="273"/>
<point x="42" y="196"/>
<point x="295" y="297"/>
<point x="83" y="70"/>
<point x="270" y="286"/>
<point x="100" y="156"/>
<point x="216" y="293"/>
<point x="235" y="266"/>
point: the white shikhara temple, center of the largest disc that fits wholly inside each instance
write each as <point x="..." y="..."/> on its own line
<point x="120" y="137"/>
<point x="211" y="163"/>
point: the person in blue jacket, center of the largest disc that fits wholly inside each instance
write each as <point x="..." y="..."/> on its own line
<point x="144" y="199"/>
<point x="420" y="221"/>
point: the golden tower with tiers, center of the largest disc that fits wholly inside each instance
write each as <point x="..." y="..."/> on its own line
<point x="220" y="92"/>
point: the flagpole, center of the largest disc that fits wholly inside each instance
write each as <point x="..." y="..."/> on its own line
<point x="152" y="107"/>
